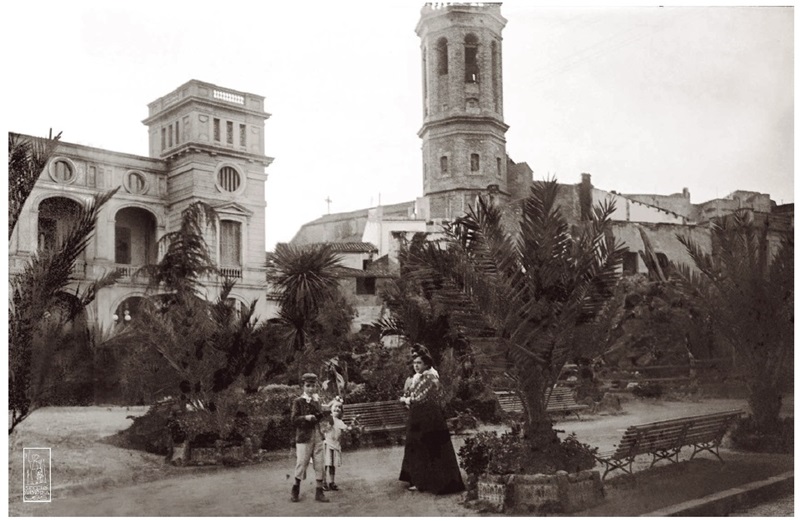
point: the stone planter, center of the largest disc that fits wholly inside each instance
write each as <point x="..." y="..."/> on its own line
<point x="493" y="491"/>
<point x="220" y="454"/>
<point x="541" y="493"/>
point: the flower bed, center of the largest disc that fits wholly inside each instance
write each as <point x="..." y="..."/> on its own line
<point x="506" y="474"/>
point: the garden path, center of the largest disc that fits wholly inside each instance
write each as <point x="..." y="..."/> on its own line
<point x="368" y="480"/>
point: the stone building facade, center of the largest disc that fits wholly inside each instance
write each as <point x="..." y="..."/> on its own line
<point x="206" y="143"/>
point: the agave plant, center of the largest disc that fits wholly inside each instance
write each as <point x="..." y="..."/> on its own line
<point x="749" y="293"/>
<point x="534" y="283"/>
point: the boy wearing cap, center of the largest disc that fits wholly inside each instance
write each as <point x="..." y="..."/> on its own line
<point x="306" y="415"/>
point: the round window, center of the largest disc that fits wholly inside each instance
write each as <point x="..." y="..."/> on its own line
<point x="62" y="171"/>
<point x="228" y="179"/>
<point x="136" y="183"/>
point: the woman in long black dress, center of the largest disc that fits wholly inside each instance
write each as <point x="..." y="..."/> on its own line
<point x="429" y="462"/>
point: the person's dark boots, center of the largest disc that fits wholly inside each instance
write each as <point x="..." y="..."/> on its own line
<point x="295" y="493"/>
<point x="320" y="496"/>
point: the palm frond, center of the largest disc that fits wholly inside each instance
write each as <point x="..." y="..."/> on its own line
<point x="27" y="157"/>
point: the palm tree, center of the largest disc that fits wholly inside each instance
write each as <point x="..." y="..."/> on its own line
<point x="535" y="285"/>
<point x="304" y="277"/>
<point x="749" y="294"/>
<point x="35" y="292"/>
<point x="187" y="258"/>
<point x="208" y="345"/>
<point x="27" y="158"/>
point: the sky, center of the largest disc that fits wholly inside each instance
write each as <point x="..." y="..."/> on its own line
<point x="646" y="99"/>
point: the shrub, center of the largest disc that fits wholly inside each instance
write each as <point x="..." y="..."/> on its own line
<point x="648" y="390"/>
<point x="278" y="433"/>
<point x="150" y="432"/>
<point x="486" y="409"/>
<point x="357" y="393"/>
<point x="477" y="451"/>
<point x="510" y="454"/>
<point x="384" y="372"/>
<point x="778" y="438"/>
<point x="263" y="417"/>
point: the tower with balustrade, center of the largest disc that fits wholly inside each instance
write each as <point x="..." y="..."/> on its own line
<point x="206" y="143"/>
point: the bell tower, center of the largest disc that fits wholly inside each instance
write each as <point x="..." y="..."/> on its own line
<point x="463" y="132"/>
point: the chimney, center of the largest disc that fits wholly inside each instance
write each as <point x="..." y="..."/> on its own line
<point x="686" y="192"/>
<point x="585" y="197"/>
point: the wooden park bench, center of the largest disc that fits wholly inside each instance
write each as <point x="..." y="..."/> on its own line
<point x="377" y="417"/>
<point x="665" y="439"/>
<point x="560" y="401"/>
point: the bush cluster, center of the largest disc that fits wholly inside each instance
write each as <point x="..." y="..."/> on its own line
<point x="648" y="390"/>
<point x="777" y="438"/>
<point x="509" y="453"/>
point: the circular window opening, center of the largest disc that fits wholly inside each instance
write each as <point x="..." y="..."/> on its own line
<point x="228" y="179"/>
<point x="62" y="171"/>
<point x="136" y="183"/>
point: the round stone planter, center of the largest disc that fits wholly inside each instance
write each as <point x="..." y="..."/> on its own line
<point x="535" y="493"/>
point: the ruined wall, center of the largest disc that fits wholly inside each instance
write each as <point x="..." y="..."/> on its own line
<point x="663" y="237"/>
<point x="678" y="203"/>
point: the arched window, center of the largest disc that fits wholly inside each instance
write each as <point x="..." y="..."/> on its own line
<point x="57" y="216"/>
<point x="471" y="59"/>
<point x="237" y="306"/>
<point x="441" y="51"/>
<point x="475" y="162"/>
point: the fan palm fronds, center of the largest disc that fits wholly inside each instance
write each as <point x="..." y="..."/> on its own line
<point x="304" y="277"/>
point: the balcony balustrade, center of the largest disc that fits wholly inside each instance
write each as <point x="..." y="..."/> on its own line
<point x="231" y="272"/>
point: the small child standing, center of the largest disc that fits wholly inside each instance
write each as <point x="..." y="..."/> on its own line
<point x="333" y="444"/>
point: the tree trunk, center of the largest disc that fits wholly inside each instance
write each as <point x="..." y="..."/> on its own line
<point x="538" y="426"/>
<point x="765" y="402"/>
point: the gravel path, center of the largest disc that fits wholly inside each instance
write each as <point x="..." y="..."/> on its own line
<point x="368" y="480"/>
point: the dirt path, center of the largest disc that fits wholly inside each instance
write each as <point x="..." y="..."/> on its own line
<point x="369" y="480"/>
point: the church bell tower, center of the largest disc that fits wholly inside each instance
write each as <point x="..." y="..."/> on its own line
<point x="463" y="133"/>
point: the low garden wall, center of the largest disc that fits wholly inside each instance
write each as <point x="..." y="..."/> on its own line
<point x="541" y="493"/>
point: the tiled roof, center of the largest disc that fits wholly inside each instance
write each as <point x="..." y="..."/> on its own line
<point x="350" y="247"/>
<point x="346" y="273"/>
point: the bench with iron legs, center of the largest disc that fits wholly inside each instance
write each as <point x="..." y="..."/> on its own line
<point x="377" y="417"/>
<point x="560" y="401"/>
<point x="665" y="439"/>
